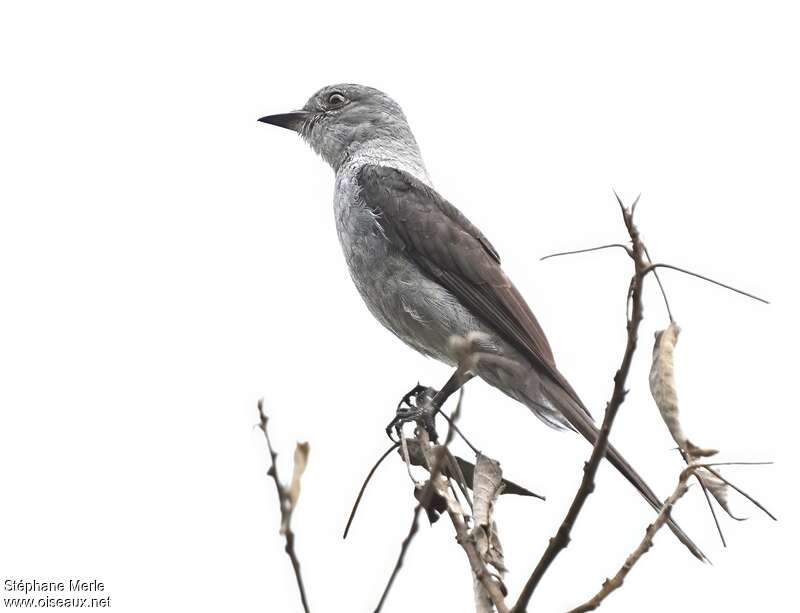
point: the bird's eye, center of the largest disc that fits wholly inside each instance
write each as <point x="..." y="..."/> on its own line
<point x="336" y="100"/>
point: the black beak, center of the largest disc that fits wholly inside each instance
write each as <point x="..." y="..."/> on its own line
<point x="290" y="121"/>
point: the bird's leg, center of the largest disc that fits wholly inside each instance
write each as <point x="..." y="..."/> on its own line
<point x="426" y="404"/>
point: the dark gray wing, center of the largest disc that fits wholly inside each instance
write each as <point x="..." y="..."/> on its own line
<point x="448" y="247"/>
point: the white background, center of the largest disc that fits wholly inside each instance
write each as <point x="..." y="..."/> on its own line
<point x="166" y="260"/>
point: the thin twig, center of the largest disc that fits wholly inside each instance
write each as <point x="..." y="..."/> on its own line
<point x="635" y="202"/>
<point x="707" y="464"/>
<point x="451" y="420"/>
<point x="364" y="487"/>
<point x="653" y="267"/>
<point x="660" y="285"/>
<point x="712" y="509"/>
<point x="555" y="255"/>
<point x="399" y="563"/>
<point x="286" y="506"/>
<point x="742" y="492"/>
<point x="425" y="496"/>
<point x="609" y="585"/>
<point x="707" y="497"/>
<point x="562" y="537"/>
<point x="457" y="430"/>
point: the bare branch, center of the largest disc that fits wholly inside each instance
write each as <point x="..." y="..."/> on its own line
<point x="287" y="500"/>
<point x="562" y="537"/>
<point x="609" y="585"/>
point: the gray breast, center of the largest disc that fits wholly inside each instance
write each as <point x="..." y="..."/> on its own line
<point x="415" y="308"/>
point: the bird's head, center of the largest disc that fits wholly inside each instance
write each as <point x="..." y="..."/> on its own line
<point x="339" y="119"/>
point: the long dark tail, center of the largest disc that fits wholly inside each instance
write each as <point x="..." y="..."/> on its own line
<point x="580" y="419"/>
<point x="621" y="464"/>
<point x="557" y="404"/>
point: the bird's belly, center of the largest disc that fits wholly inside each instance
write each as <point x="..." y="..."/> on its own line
<point x="415" y="308"/>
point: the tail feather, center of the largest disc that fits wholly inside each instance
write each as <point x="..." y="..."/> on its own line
<point x="580" y="419"/>
<point x="633" y="477"/>
<point x="557" y="404"/>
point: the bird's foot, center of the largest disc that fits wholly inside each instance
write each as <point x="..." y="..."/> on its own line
<point x="417" y="406"/>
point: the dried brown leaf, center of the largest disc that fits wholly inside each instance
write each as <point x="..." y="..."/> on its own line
<point x="292" y="493"/>
<point x="488" y="485"/>
<point x="662" y="381"/>
<point x="662" y="387"/>
<point x="300" y="463"/>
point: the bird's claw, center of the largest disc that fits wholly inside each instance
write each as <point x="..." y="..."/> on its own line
<point x="417" y="406"/>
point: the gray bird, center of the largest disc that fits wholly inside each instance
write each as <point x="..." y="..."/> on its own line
<point x="428" y="274"/>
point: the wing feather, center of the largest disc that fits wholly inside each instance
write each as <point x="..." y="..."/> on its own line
<point x="454" y="252"/>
